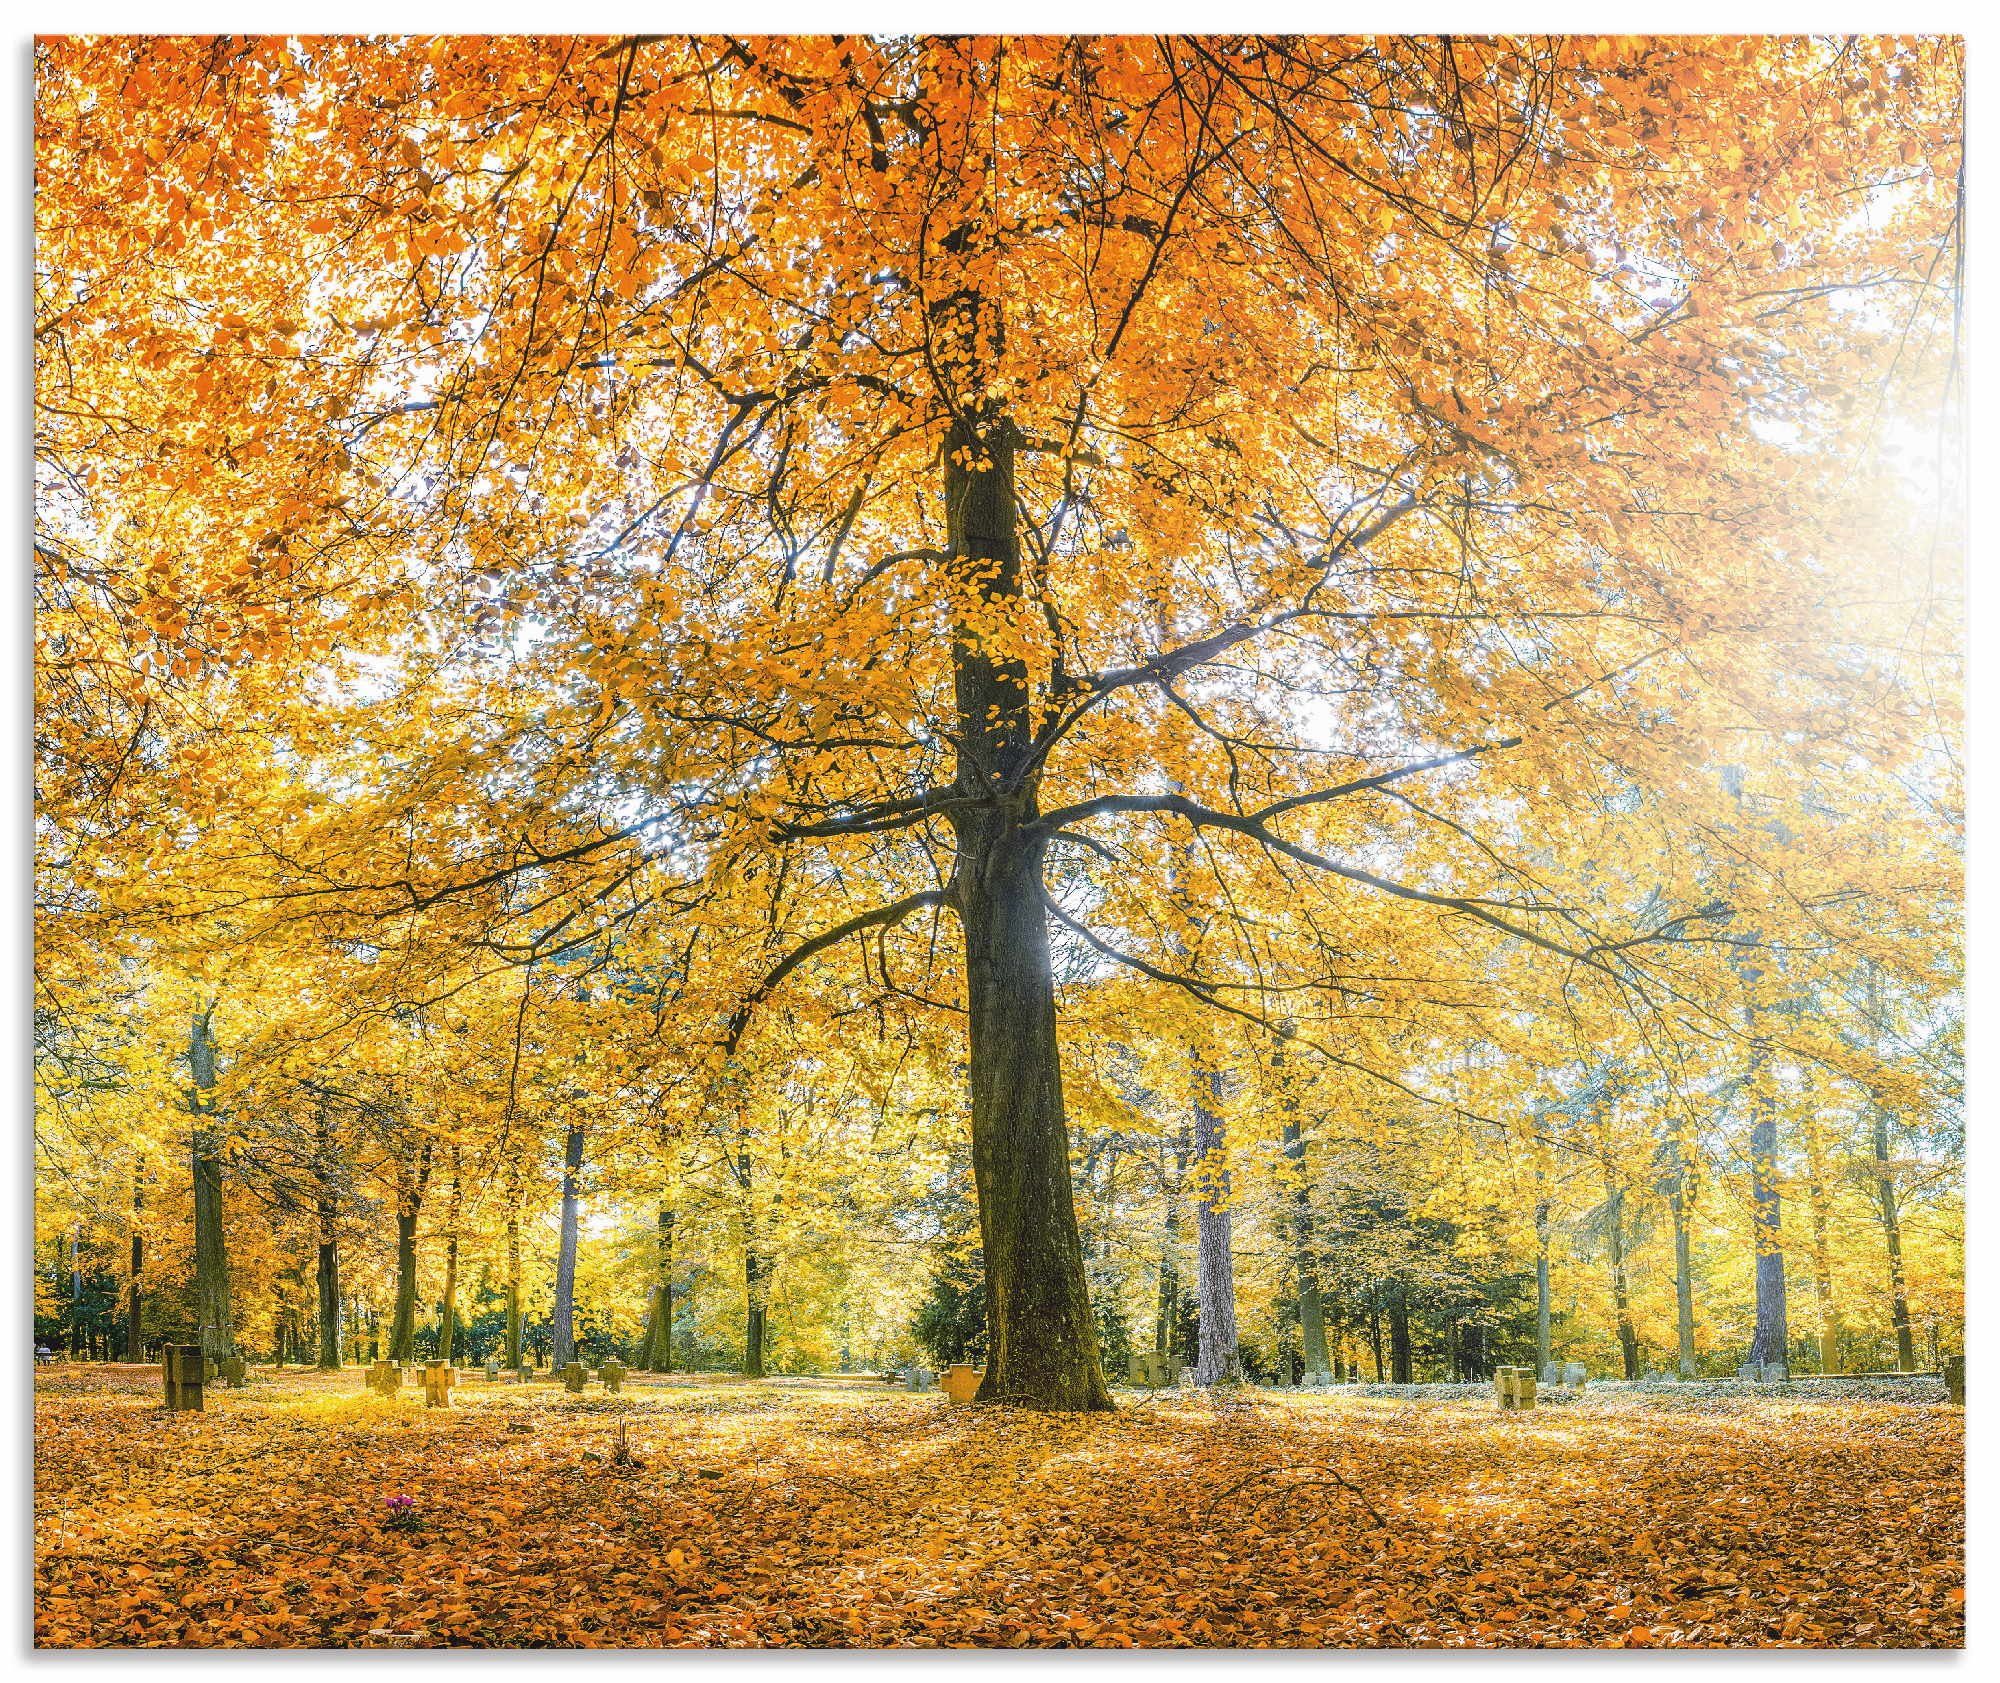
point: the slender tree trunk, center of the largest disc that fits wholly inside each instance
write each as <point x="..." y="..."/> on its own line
<point x="1771" y="1341"/>
<point x="1312" y="1310"/>
<point x="513" y="1333"/>
<point x="563" y="1321"/>
<point x="1545" y="1351"/>
<point x="756" y="1266"/>
<point x="754" y="1333"/>
<point x="1167" y="1313"/>
<point x="513" y="1287"/>
<point x="1827" y="1313"/>
<point x="1375" y="1332"/>
<point x="1621" y="1292"/>
<point x="135" y="1337"/>
<point x="1885" y="1189"/>
<point x="1679" y="1201"/>
<point x="77" y="1333"/>
<point x="211" y="1251"/>
<point x="1217" y="1361"/>
<point x="1402" y="1369"/>
<point x="1892" y="1234"/>
<point x="326" y="1211"/>
<point x="448" y="1310"/>
<point x="1544" y="1339"/>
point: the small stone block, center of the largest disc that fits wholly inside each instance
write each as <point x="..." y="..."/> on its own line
<point x="184" y="1370"/>
<point x="574" y="1376"/>
<point x="613" y="1375"/>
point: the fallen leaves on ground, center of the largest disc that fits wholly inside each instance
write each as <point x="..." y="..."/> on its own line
<point x="834" y="1513"/>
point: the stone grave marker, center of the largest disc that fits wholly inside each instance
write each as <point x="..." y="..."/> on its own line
<point x="492" y="1368"/>
<point x="613" y="1375"/>
<point x="1514" y="1386"/>
<point x="1552" y="1373"/>
<point x="438" y="1377"/>
<point x="235" y="1374"/>
<point x="1954" y="1380"/>
<point x="574" y="1376"/>
<point x="1574" y="1373"/>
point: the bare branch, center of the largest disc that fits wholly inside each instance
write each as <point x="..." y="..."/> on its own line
<point x="876" y="918"/>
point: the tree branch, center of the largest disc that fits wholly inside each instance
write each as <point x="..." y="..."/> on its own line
<point x="878" y="917"/>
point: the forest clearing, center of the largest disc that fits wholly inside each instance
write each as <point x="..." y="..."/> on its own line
<point x="832" y="1513"/>
<point x="1241" y="756"/>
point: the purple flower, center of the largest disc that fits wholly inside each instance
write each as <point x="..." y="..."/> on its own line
<point x="402" y="1502"/>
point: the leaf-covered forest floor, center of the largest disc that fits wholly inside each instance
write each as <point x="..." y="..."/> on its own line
<point x="837" y="1513"/>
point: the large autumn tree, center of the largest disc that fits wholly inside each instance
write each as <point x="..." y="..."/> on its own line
<point x="607" y="487"/>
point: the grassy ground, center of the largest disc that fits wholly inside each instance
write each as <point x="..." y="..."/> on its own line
<point x="836" y="1513"/>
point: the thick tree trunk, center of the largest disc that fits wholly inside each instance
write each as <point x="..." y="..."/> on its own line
<point x="1892" y="1234"/>
<point x="1041" y="1340"/>
<point x="1771" y="1340"/>
<point x="1217" y="1361"/>
<point x="413" y="1178"/>
<point x="563" y="1319"/>
<point x="1042" y="1345"/>
<point x="328" y="1281"/>
<point x="660" y="1346"/>
<point x="211" y="1252"/>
